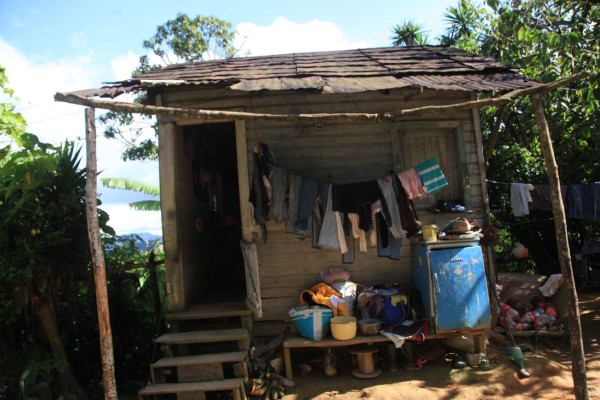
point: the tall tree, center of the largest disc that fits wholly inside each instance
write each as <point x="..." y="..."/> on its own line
<point x="409" y="34"/>
<point x="548" y="41"/>
<point x="41" y="227"/>
<point x="182" y="39"/>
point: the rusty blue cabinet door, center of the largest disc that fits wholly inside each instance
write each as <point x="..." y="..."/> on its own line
<point x="460" y="289"/>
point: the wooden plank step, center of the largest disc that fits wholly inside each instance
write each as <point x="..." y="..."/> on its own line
<point x="232" y="356"/>
<point x="235" y="384"/>
<point x="207" y="311"/>
<point x="237" y="357"/>
<point x="221" y="335"/>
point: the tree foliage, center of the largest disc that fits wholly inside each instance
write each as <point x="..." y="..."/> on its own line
<point x="136" y="186"/>
<point x="182" y="39"/>
<point x="48" y="319"/>
<point x="409" y="34"/>
<point x="545" y="41"/>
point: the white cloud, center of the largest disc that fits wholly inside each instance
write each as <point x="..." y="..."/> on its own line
<point x="35" y="84"/>
<point x="123" y="65"/>
<point x="124" y="220"/>
<point x="284" y="36"/>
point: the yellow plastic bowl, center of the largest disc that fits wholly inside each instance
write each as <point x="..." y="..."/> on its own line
<point x="343" y="328"/>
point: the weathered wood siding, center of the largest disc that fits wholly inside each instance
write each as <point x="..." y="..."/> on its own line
<point x="340" y="153"/>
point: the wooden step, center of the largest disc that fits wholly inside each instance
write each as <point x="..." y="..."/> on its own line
<point x="213" y="336"/>
<point x="236" y="385"/>
<point x="208" y="311"/>
<point x="220" y="358"/>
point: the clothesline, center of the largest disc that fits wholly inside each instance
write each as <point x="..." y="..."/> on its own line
<point x="581" y="201"/>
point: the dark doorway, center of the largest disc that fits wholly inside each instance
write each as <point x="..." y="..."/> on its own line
<point x="216" y="193"/>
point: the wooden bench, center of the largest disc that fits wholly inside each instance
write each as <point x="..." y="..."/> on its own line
<point x="297" y="342"/>
<point x="235" y="385"/>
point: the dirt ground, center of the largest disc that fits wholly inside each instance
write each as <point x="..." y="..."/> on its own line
<point x="549" y="364"/>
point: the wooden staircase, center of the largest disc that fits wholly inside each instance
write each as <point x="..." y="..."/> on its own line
<point x="200" y="359"/>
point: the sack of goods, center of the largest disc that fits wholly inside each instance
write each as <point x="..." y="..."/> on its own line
<point x="311" y="322"/>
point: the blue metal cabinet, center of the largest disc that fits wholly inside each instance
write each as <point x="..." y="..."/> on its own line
<point x="453" y="286"/>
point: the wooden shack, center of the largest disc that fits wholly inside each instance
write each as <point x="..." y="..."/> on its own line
<point x="331" y="117"/>
<point x="206" y="165"/>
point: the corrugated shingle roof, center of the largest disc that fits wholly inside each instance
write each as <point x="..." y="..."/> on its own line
<point x="345" y="71"/>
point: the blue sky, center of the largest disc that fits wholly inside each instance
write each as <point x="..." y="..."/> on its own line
<point x="49" y="46"/>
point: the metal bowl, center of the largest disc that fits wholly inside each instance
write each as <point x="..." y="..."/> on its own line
<point x="369" y="326"/>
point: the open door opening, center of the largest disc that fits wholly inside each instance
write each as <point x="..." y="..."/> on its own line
<point x="220" y="273"/>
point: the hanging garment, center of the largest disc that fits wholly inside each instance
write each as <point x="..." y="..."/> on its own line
<point x="356" y="198"/>
<point x="583" y="201"/>
<point x="328" y="236"/>
<point x="520" y="197"/>
<point x="295" y="182"/>
<point x="278" y="204"/>
<point x="389" y="198"/>
<point x="259" y="196"/>
<point x="541" y="199"/>
<point x="431" y="175"/>
<point x="387" y="245"/>
<point x="411" y="182"/>
<point x="309" y="189"/>
<point x="348" y="256"/>
<point x="408" y="213"/>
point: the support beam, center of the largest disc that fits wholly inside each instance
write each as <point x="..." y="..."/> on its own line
<point x="91" y="183"/>
<point x="560" y="224"/>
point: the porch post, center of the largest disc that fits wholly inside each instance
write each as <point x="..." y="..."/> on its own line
<point x="106" y="343"/>
<point x="560" y="224"/>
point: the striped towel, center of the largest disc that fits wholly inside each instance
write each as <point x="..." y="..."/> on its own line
<point x="431" y="175"/>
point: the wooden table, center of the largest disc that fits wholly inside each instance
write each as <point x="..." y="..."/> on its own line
<point x="297" y="342"/>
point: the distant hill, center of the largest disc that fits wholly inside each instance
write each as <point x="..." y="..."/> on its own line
<point x="144" y="240"/>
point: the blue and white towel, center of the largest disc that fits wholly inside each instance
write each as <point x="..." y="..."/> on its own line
<point x="431" y="175"/>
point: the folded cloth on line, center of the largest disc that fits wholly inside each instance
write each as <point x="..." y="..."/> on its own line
<point x="431" y="175"/>
<point x="520" y="197"/>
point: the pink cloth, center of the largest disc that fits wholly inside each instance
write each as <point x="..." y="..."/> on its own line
<point x="411" y="182"/>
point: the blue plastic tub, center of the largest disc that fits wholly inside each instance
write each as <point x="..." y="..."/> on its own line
<point x="311" y="322"/>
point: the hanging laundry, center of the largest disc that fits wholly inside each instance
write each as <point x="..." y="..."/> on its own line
<point x="408" y="213"/>
<point x="520" y="197"/>
<point x="259" y="196"/>
<point x="583" y="201"/>
<point x="356" y="198"/>
<point x="541" y="199"/>
<point x="278" y="204"/>
<point x="391" y="200"/>
<point x="295" y="182"/>
<point x="431" y="175"/>
<point x="412" y="184"/>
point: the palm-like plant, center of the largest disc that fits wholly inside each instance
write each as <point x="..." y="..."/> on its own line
<point x="409" y="34"/>
<point x="462" y="22"/>
<point x="136" y="186"/>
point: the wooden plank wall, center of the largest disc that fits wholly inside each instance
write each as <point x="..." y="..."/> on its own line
<point x="331" y="152"/>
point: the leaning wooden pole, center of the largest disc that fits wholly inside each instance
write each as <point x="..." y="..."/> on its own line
<point x="106" y="343"/>
<point x="560" y="224"/>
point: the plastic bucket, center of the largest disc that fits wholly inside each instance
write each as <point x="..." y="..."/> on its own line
<point x="311" y="322"/>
